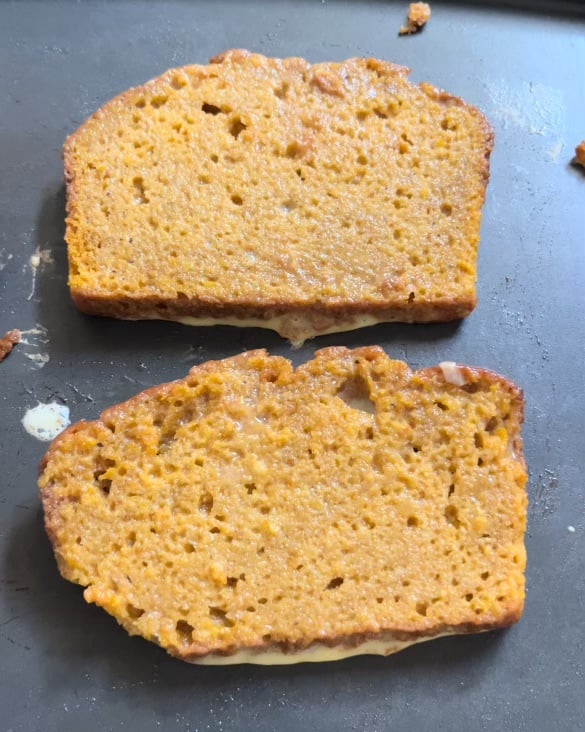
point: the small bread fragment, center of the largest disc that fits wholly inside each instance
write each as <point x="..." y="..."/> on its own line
<point x="579" y="158"/>
<point x="419" y="15"/>
<point x="7" y="343"/>
<point x="268" y="192"/>
<point x="254" y="513"/>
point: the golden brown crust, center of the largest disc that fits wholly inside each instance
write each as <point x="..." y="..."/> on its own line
<point x="7" y="343"/>
<point x="316" y="319"/>
<point x="579" y="158"/>
<point x="391" y="303"/>
<point x="196" y="652"/>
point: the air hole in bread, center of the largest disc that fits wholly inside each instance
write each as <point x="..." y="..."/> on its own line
<point x="104" y="484"/>
<point x="452" y="516"/>
<point x="236" y="127"/>
<point x="210" y="109"/>
<point x="159" y="100"/>
<point x="167" y="437"/>
<point x="421" y="608"/>
<point x="282" y="90"/>
<point x="206" y="503"/>
<point x="335" y="583"/>
<point x="403" y="193"/>
<point x="491" y="424"/>
<point x="355" y="392"/>
<point x="293" y="150"/>
<point x="178" y="81"/>
<point x="134" y="612"/>
<point x="185" y="632"/>
<point x="220" y="617"/>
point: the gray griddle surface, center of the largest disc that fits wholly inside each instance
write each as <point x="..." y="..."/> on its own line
<point x="68" y="666"/>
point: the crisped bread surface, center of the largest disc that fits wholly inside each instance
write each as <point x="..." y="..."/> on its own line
<point x="253" y="508"/>
<point x="258" y="187"/>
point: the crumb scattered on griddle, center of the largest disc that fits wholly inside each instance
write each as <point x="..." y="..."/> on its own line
<point x="418" y="16"/>
<point x="579" y="158"/>
<point x="8" y="342"/>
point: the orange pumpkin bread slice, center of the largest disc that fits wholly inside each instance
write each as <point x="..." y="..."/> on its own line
<point x="254" y="513"/>
<point x="259" y="191"/>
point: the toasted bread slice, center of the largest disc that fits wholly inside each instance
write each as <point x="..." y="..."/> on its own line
<point x="253" y="513"/>
<point x="258" y="191"/>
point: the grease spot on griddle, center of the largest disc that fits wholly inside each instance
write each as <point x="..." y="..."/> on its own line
<point x="46" y="421"/>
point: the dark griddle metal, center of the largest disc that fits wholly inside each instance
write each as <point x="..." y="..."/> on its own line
<point x="66" y="665"/>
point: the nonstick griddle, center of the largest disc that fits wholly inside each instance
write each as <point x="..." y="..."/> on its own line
<point x="68" y="666"/>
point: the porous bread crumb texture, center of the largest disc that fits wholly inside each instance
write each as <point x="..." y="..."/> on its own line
<point x="419" y="15"/>
<point x="580" y="154"/>
<point x="256" y="187"/>
<point x="250" y="506"/>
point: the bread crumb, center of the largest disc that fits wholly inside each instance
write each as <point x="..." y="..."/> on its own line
<point x="579" y="158"/>
<point x="452" y="373"/>
<point x="8" y="342"/>
<point x="418" y="16"/>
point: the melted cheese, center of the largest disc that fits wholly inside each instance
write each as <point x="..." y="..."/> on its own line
<point x="294" y="327"/>
<point x="317" y="653"/>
